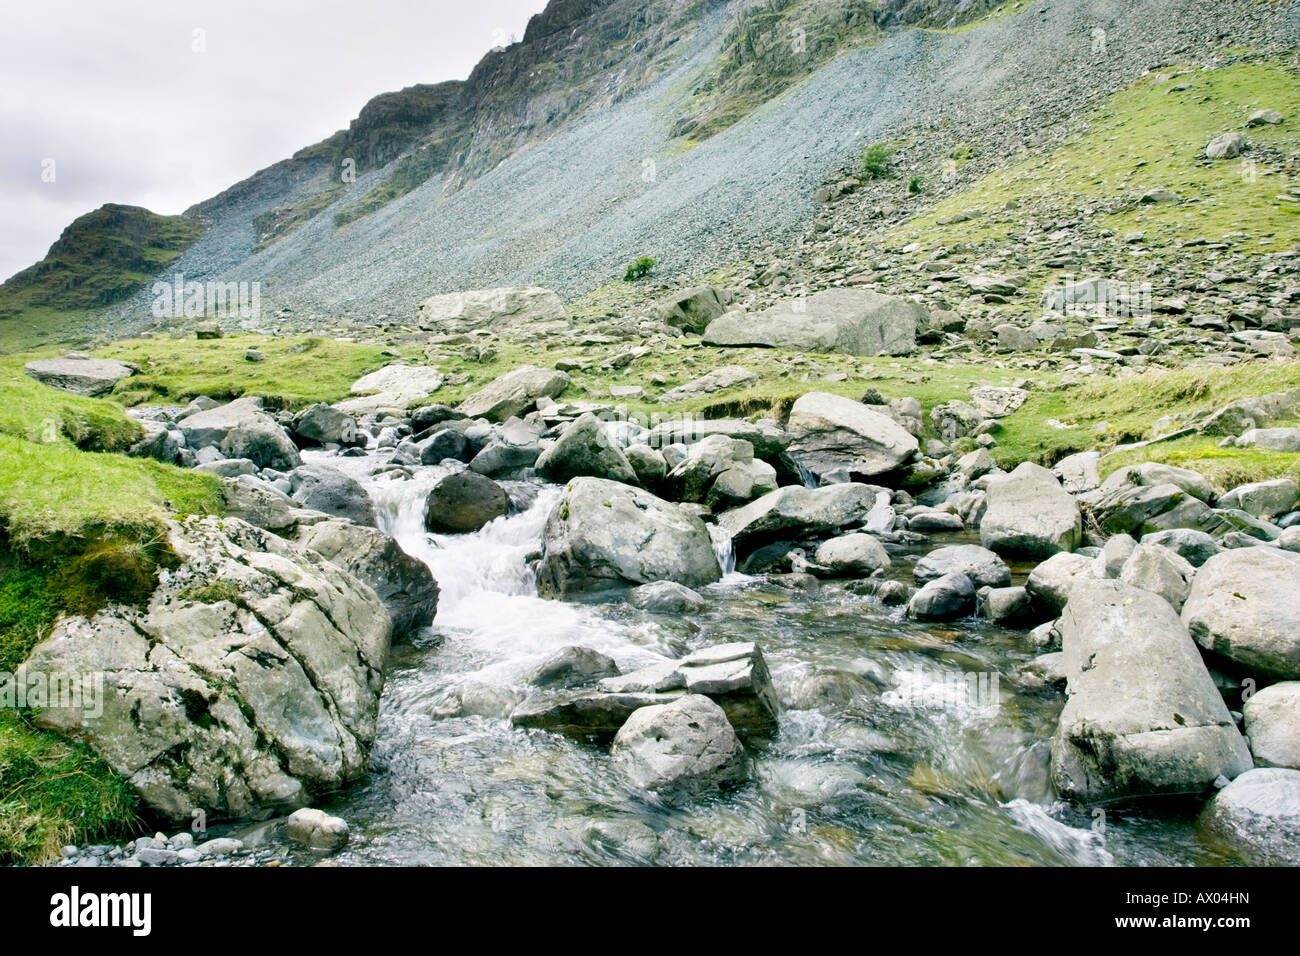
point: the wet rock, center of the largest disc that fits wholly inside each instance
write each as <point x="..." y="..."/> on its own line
<point x="944" y="599"/>
<point x="327" y="489"/>
<point x="1030" y="515"/>
<point x="1257" y="816"/>
<point x="833" y="433"/>
<point x="1272" y="719"/>
<point x="602" y="534"/>
<point x="572" y="666"/>
<point x="1243" y="607"/>
<point x="797" y="512"/>
<point x="665" y="597"/>
<point x="584" y="715"/>
<point x="585" y="450"/>
<point x="982" y="566"/>
<point x="321" y="424"/>
<point x="241" y="429"/>
<point x="316" y="829"/>
<point x="1173" y="736"/>
<point x="767" y="438"/>
<point x="852" y="554"/>
<point x="403" y="583"/>
<point x="736" y="677"/>
<point x="251" y="679"/>
<point x="679" y="750"/>
<point x="446" y="443"/>
<point x="463" y="503"/>
<point x="1009" y="607"/>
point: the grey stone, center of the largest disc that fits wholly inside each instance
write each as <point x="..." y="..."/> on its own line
<point x="1029" y="514"/>
<point x="680" y="749"/>
<point x="856" y="321"/>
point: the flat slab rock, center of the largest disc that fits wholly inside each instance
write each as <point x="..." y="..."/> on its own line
<point x="734" y="676"/>
<point x="81" y="376"/>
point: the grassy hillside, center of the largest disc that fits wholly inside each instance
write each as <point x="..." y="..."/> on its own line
<point x="101" y="258"/>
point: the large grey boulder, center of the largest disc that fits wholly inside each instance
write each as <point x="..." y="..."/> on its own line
<point x="832" y="433"/>
<point x="514" y="393"/>
<point x="405" y="584"/>
<point x="1243" y="606"/>
<point x="81" y="376"/>
<point x="1160" y="571"/>
<point x="666" y="597"/>
<point x="497" y="309"/>
<point x="1052" y="581"/>
<point x="322" y="424"/>
<point x="856" y="554"/>
<point x="982" y="566"/>
<point x="250" y="680"/>
<point x="241" y="429"/>
<point x="798" y="512"/>
<point x="1030" y="515"/>
<point x="729" y="376"/>
<point x="734" y="676"/>
<point x="1275" y="439"/>
<point x="1273" y="725"/>
<point x="602" y="534"/>
<point x="463" y="503"/>
<point x="391" y="389"/>
<point x="585" y="450"/>
<point x="767" y="438"/>
<point x="692" y="309"/>
<point x="1257" y="817"/>
<point x="680" y="749"/>
<point x="1143" y="715"/>
<point x="1263" y="499"/>
<point x="944" y="599"/>
<point x="573" y="665"/>
<point x="721" y="461"/>
<point x="322" y="488"/>
<point x="855" y="321"/>
<point x="1196" y="547"/>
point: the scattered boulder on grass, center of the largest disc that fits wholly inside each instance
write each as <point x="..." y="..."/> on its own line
<point x="514" y="393"/>
<point x="692" y="309"/>
<point x="1143" y="715"/>
<point x="455" y="313"/>
<point x="80" y="375"/>
<point x="854" y="321"/>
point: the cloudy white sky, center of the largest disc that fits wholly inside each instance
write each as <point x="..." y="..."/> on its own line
<point x="114" y="92"/>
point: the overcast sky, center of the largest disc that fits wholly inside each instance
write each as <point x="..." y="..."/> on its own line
<point x="118" y="95"/>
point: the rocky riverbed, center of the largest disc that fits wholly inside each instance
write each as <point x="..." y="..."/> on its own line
<point x="813" y="640"/>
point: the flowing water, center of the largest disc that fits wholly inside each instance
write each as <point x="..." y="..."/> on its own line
<point x="945" y="763"/>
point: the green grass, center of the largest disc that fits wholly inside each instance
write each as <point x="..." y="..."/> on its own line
<point x="1129" y="407"/>
<point x="55" y="491"/>
<point x="298" y="370"/>
<point x="101" y="258"/>
<point x="1150" y="136"/>
<point x="1224" y="467"/>
<point x="54" y="792"/>
<point x="38" y="413"/>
